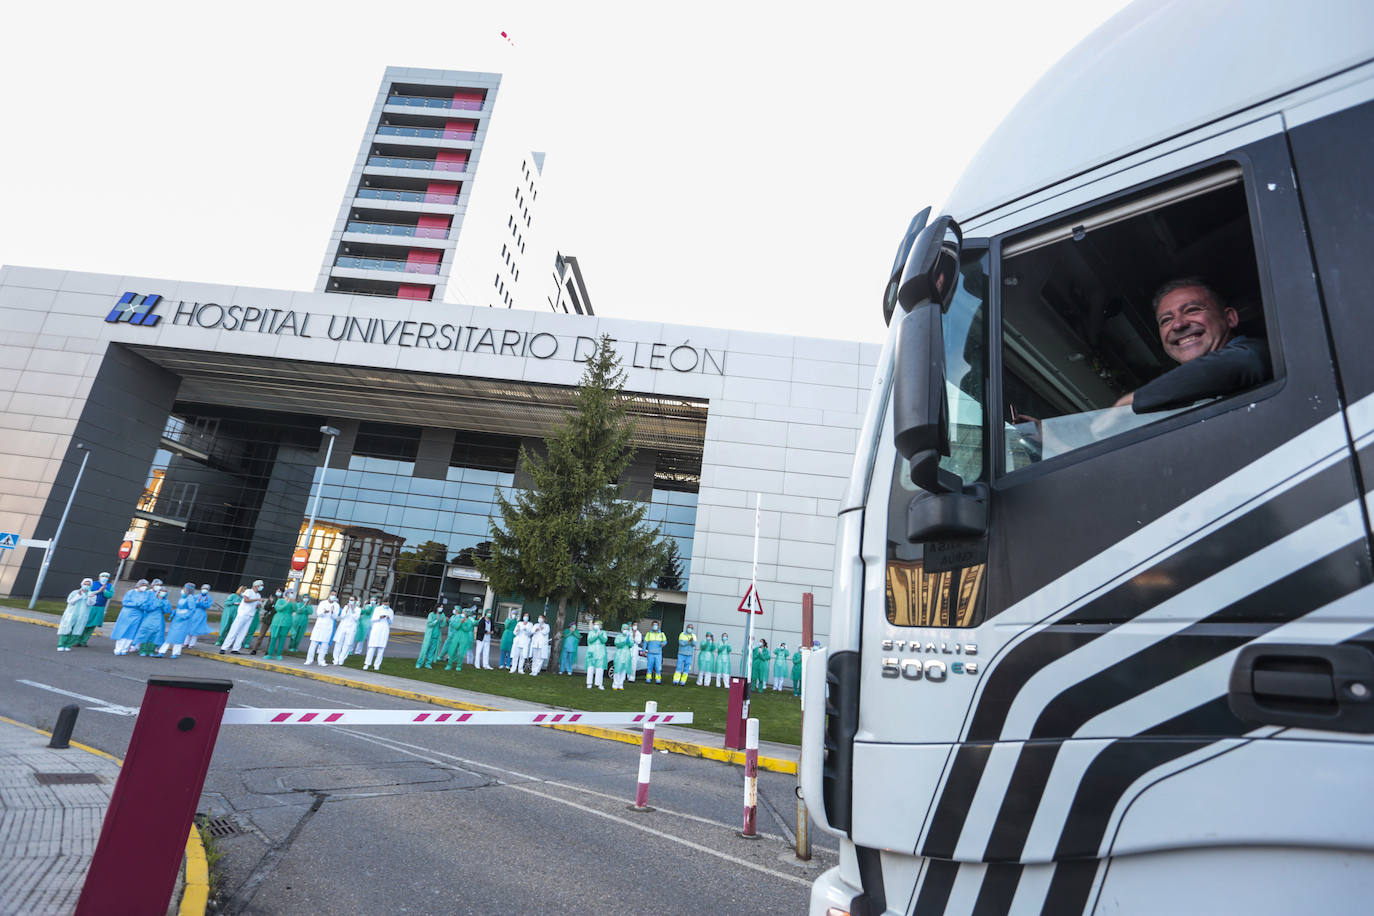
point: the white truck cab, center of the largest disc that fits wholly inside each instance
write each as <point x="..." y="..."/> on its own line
<point x="1103" y="623"/>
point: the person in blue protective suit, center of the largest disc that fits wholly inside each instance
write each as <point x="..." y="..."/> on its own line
<point x="567" y="653"/>
<point x="182" y="616"/>
<point x="130" y="616"/>
<point x="74" y="618"/>
<point x="153" y="626"/>
<point x="200" y="616"/>
<point x="653" y="649"/>
<point x="686" y="651"/>
<point x="102" y="591"/>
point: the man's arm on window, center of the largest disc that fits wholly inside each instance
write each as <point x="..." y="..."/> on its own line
<point x="1242" y="363"/>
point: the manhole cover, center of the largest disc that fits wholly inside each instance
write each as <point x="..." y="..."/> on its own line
<point x="67" y="779"/>
<point x="219" y="826"/>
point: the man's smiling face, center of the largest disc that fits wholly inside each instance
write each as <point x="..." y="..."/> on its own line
<point x="1191" y="323"/>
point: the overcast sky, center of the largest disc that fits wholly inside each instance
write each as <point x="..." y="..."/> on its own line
<point x="743" y="165"/>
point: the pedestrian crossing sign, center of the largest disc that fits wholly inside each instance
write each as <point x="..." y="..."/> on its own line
<point x="8" y="541"/>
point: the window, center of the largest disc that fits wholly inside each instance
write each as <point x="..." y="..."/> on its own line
<point x="1084" y="357"/>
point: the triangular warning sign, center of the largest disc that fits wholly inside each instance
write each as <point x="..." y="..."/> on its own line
<point x="750" y="602"/>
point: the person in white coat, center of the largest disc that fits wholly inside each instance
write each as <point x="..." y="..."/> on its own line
<point x="482" y="650"/>
<point x="378" y="635"/>
<point x="243" y="620"/>
<point x="638" y="640"/>
<point x="539" y="646"/>
<point x="520" y="649"/>
<point x="326" y="612"/>
<point x="346" y="632"/>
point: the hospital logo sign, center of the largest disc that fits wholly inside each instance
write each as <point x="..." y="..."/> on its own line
<point x="135" y="309"/>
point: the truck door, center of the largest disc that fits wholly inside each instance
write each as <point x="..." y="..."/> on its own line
<point x="1022" y="687"/>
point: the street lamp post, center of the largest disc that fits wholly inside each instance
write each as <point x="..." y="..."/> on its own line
<point x="52" y="545"/>
<point x="332" y="433"/>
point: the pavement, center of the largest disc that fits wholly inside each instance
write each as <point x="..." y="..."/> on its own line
<point x="52" y="805"/>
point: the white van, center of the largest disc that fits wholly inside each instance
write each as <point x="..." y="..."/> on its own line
<point x="1103" y="633"/>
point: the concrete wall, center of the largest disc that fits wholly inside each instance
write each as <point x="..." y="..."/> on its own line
<point x="120" y="422"/>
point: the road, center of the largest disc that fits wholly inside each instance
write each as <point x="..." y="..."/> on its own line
<point x="436" y="820"/>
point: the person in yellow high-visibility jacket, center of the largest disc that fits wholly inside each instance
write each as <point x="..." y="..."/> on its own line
<point x="686" y="650"/>
<point x="654" y="641"/>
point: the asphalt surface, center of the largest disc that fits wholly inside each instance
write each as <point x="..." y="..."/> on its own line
<point x="436" y="819"/>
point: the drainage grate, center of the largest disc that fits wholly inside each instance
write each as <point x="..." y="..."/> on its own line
<point x="67" y="779"/>
<point x="218" y="826"/>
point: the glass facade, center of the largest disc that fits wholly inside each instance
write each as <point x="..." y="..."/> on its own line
<point x="401" y="510"/>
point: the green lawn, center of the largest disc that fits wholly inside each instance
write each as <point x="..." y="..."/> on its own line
<point x="46" y="607"/>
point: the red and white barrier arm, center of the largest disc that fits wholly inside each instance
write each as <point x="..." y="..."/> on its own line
<point x="415" y="717"/>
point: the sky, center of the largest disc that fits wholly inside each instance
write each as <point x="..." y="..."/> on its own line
<point x="738" y="165"/>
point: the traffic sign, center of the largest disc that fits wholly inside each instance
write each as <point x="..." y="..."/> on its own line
<point x="8" y="541"/>
<point x="750" y="602"/>
<point x="299" y="558"/>
<point x="125" y="549"/>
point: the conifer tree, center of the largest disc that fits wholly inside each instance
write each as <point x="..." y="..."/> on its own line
<point x="573" y="535"/>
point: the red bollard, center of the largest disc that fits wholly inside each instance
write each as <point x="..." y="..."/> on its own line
<point x="137" y="858"/>
<point x="734" y="716"/>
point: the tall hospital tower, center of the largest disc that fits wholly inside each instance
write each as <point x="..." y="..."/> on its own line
<point x="398" y="229"/>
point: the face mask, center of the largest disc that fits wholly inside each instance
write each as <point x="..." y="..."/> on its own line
<point x="85" y="588"/>
<point x="205" y="591"/>
<point x="333" y="597"/>
<point x="597" y="627"/>
<point x="526" y="618"/>
<point x="104" y="578"/>
<point x="655" y="628"/>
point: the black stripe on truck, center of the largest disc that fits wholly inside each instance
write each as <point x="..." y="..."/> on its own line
<point x="1315" y="585"/>
<point x="1309" y="500"/>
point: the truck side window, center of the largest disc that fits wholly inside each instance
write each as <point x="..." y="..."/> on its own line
<point x="1116" y="319"/>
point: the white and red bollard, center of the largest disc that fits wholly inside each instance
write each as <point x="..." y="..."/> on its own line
<point x="751" y="779"/>
<point x="646" y="758"/>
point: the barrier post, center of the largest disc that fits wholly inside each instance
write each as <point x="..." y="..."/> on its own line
<point x="62" y="731"/>
<point x="751" y="780"/>
<point x="646" y="758"/>
<point x="138" y="855"/>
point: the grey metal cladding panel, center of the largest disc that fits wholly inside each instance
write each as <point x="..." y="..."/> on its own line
<point x="121" y="424"/>
<point x="436" y="449"/>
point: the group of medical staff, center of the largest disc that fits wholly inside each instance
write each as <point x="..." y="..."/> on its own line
<point x="149" y="619"/>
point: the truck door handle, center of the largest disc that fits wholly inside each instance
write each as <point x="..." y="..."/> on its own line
<point x="1306" y="686"/>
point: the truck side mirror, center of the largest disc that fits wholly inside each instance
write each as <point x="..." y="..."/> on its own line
<point x="919" y="401"/>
